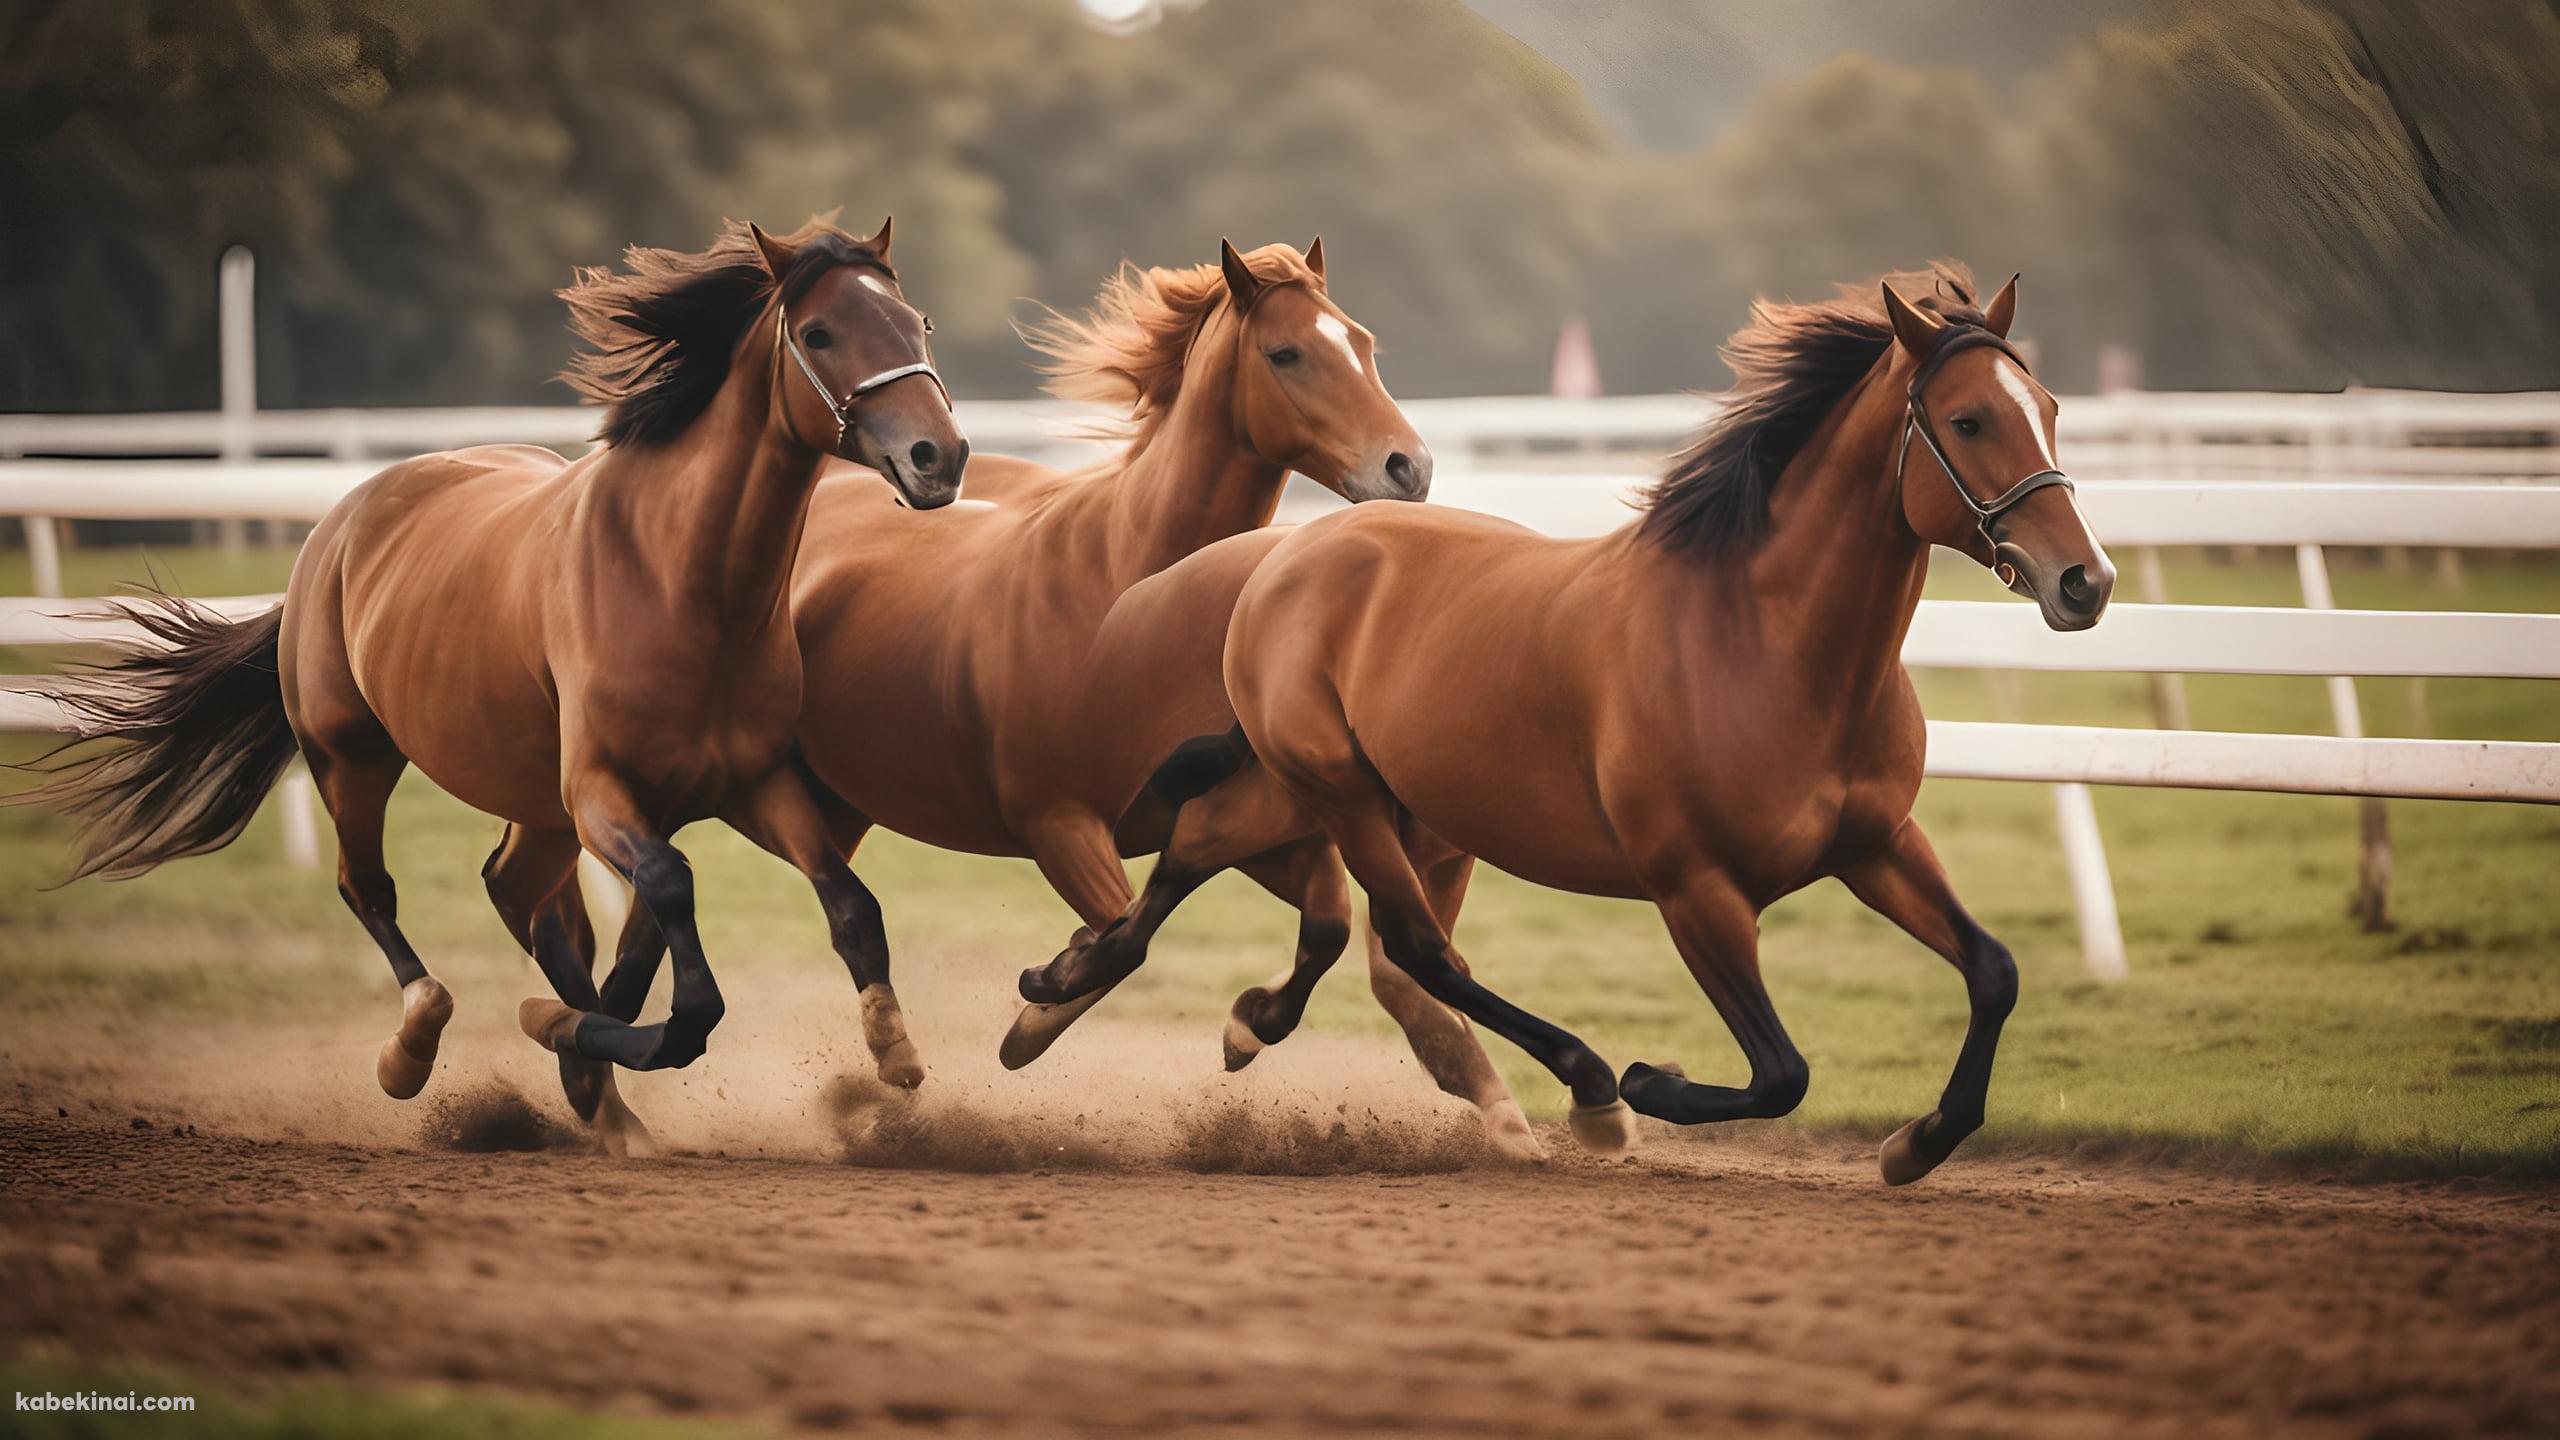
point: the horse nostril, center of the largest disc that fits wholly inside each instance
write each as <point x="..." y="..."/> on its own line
<point x="923" y="454"/>
<point x="2078" y="591"/>
<point x="1400" y="469"/>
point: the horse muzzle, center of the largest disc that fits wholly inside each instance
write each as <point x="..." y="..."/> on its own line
<point x="2071" y="597"/>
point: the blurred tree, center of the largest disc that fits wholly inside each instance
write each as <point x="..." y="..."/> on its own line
<point x="1442" y="161"/>
<point x="2259" y="193"/>
<point x="136" y="141"/>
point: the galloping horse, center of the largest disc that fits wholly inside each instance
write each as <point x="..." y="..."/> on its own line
<point x="1706" y="709"/>
<point x="598" y="651"/>
<point x="948" y="695"/>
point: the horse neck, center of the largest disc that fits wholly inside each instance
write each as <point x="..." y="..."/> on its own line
<point x="1828" y="593"/>
<point x="717" y="511"/>
<point x="1840" y="571"/>
<point x="1195" y="481"/>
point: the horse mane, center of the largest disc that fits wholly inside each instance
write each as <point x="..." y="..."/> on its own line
<point x="1127" y="351"/>
<point x="1792" y="365"/>
<point x="660" y="332"/>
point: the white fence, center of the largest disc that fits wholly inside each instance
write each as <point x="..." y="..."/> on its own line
<point x="2192" y="437"/>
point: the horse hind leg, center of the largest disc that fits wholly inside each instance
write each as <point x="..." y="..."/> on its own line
<point x="355" y="783"/>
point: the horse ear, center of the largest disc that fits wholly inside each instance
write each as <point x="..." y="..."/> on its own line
<point x="879" y="244"/>
<point x="1242" y="284"/>
<point x="1916" y="329"/>
<point x="2002" y="309"/>
<point x="1315" y="256"/>
<point x="777" y="256"/>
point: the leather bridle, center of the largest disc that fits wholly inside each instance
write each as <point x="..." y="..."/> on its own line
<point x="841" y="410"/>
<point x="1916" y="422"/>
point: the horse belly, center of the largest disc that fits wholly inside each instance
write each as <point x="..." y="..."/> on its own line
<point x="914" y="779"/>
<point x="1516" y="812"/>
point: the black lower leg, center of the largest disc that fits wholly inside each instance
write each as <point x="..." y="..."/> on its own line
<point x="1115" y="954"/>
<point x="637" y="954"/>
<point x="1417" y="948"/>
<point x="1991" y="990"/>
<point x="663" y="882"/>
<point x="1321" y="941"/>
<point x="855" y="926"/>
<point x="376" y="903"/>
<point x="1779" y="1075"/>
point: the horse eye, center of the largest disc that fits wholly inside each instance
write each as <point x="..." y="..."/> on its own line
<point x="1285" y="355"/>
<point x="816" y="337"/>
<point x="928" y="323"/>
<point x="1968" y="427"/>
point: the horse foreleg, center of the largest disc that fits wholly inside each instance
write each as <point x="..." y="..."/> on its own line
<point x="1308" y="875"/>
<point x="612" y="826"/>
<point x="1440" y="1037"/>
<point x="780" y="814"/>
<point x="1236" y="819"/>
<point x="1717" y="931"/>
<point x="532" y="878"/>
<point x="1077" y="856"/>
<point x="1904" y="883"/>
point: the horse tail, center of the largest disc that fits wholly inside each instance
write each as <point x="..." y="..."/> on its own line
<point x="201" y="715"/>
<point x="1199" y="765"/>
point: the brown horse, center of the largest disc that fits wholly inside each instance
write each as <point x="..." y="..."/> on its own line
<point x="948" y="692"/>
<point x="1706" y="709"/>
<point x="598" y="651"/>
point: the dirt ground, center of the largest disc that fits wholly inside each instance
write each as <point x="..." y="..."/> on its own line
<point x="1238" y="1256"/>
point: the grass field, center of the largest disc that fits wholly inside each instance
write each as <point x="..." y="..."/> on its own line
<point x="2258" y="1020"/>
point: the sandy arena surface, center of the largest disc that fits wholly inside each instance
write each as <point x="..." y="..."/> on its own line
<point x="1332" y="1253"/>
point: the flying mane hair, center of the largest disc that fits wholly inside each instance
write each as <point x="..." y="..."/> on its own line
<point x="1792" y="364"/>
<point x="1128" y="351"/>
<point x="660" y="332"/>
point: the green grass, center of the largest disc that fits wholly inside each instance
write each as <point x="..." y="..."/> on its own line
<point x="304" y="1411"/>
<point x="2258" y="1019"/>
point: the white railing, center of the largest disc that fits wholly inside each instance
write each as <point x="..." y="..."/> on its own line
<point x="2159" y="639"/>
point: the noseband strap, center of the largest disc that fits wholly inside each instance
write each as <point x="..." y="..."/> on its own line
<point x="842" y="410"/>
<point x="1915" y="421"/>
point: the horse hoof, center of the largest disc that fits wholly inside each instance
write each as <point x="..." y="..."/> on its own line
<point x="900" y="1065"/>
<point x="402" y="1074"/>
<point x="549" y="1024"/>
<point x="1900" y="1156"/>
<point x="1240" y="1044"/>
<point x="618" y="1132"/>
<point x="409" y="1056"/>
<point x="1604" y="1129"/>
<point x="1508" y="1129"/>
<point x="1037" y="1028"/>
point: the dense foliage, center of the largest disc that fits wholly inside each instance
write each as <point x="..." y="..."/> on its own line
<point x="2265" y="193"/>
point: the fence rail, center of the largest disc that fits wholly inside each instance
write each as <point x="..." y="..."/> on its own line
<point x="1485" y="445"/>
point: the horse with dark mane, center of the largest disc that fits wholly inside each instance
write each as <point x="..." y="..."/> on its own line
<point x="950" y="698"/>
<point x="599" y="651"/>
<point x="1706" y="709"/>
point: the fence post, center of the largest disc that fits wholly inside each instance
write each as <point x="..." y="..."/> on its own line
<point x="301" y="830"/>
<point x="2093" y="889"/>
<point x="2084" y="852"/>
<point x="44" y="556"/>
<point x="608" y="899"/>
<point x="2168" y="691"/>
<point x="2372" y="903"/>
<point x="237" y="307"/>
